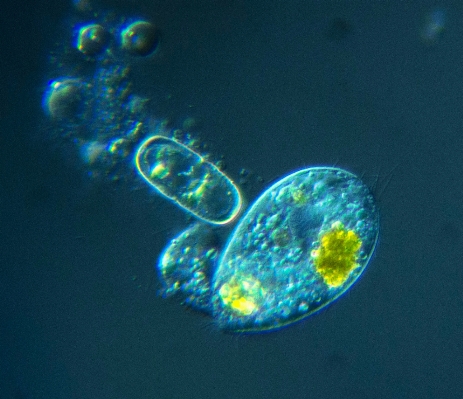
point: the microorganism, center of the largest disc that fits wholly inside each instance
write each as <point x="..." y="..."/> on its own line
<point x="187" y="179"/>
<point x="186" y="264"/>
<point x="301" y="245"/>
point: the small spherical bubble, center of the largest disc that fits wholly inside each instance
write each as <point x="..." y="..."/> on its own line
<point x="303" y="307"/>
<point x="140" y="38"/>
<point x="64" y="98"/>
<point x="92" y="39"/>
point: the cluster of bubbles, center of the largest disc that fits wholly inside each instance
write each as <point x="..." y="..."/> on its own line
<point x="301" y="244"/>
<point x="91" y="102"/>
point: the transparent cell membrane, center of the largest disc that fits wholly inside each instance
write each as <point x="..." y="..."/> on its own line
<point x="301" y="245"/>
<point x="187" y="179"/>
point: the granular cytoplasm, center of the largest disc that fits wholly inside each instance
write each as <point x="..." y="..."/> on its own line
<point x="301" y="245"/>
<point x="188" y="180"/>
<point x="186" y="264"/>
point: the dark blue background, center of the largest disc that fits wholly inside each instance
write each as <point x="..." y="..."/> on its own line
<point x="277" y="85"/>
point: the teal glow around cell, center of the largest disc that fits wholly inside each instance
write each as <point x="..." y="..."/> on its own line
<point x="188" y="180"/>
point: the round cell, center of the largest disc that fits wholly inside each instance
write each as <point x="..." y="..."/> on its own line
<point x="186" y="264"/>
<point x="301" y="245"/>
<point x="188" y="180"/>
<point x="140" y="38"/>
<point x="92" y="39"/>
<point x="64" y="98"/>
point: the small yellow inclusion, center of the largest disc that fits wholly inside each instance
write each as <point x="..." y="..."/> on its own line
<point x="300" y="196"/>
<point x="337" y="254"/>
<point x="159" y="171"/>
<point x="243" y="295"/>
<point x="198" y="191"/>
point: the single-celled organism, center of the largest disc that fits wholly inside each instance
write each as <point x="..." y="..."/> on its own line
<point x="65" y="98"/>
<point x="301" y="245"/>
<point x="92" y="39"/>
<point x="188" y="180"/>
<point x="185" y="266"/>
<point x="140" y="38"/>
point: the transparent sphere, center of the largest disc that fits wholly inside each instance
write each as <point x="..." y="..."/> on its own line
<point x="92" y="39"/>
<point x="64" y="98"/>
<point x="140" y="38"/>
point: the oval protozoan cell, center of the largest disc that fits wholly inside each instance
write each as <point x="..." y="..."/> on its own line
<point x="188" y="180"/>
<point x="300" y="246"/>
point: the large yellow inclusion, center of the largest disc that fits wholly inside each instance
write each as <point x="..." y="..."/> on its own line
<point x="337" y="254"/>
<point x="243" y="295"/>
